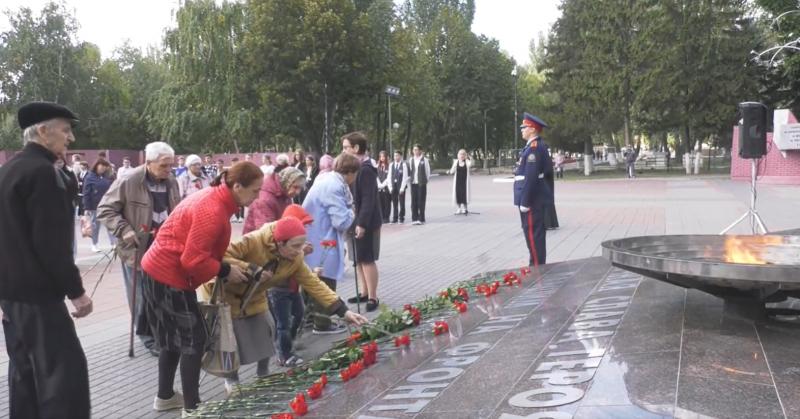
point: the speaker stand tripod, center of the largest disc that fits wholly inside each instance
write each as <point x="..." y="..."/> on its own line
<point x="756" y="223"/>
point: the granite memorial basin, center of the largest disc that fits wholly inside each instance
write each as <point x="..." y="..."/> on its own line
<point x="746" y="271"/>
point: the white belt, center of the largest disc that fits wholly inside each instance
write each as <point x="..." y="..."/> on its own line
<point x="516" y="178"/>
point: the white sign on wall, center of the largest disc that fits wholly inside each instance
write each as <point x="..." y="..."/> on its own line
<point x="786" y="135"/>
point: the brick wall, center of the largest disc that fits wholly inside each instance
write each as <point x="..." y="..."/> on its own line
<point x="773" y="168"/>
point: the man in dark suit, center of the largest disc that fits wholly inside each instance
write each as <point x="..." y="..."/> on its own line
<point x="531" y="192"/>
<point x="47" y="367"/>
<point x="368" y="220"/>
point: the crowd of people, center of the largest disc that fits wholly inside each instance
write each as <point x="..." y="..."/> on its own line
<point x="170" y="225"/>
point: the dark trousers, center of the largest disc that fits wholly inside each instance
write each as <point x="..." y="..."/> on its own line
<point x="418" y="195"/>
<point x="534" y="232"/>
<point x="385" y="199"/>
<point x="321" y="319"/>
<point x="47" y="372"/>
<point x="398" y="205"/>
<point x="287" y="310"/>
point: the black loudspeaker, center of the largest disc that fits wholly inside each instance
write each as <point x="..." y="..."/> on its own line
<point x="753" y="130"/>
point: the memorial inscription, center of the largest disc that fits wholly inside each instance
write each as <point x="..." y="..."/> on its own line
<point x="561" y="376"/>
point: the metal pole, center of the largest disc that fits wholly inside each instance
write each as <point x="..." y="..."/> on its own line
<point x="485" y="144"/>
<point x="516" y="117"/>
<point x="326" y="118"/>
<point x="391" y="148"/>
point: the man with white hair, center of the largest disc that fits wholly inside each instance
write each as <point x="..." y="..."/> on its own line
<point x="133" y="209"/>
<point x="47" y="370"/>
<point x="281" y="162"/>
<point x="193" y="179"/>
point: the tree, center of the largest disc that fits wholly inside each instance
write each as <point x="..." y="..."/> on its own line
<point x="780" y="79"/>
<point x="203" y="103"/>
<point x="306" y="54"/>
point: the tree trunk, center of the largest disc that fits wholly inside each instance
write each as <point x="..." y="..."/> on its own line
<point x="588" y="153"/>
<point x="408" y="136"/>
<point x="698" y="157"/>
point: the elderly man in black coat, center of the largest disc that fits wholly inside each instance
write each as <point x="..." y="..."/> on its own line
<point x="48" y="377"/>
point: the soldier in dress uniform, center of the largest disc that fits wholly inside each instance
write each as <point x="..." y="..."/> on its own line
<point x="531" y="191"/>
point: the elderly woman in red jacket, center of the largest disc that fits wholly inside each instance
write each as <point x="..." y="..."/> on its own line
<point x="187" y="252"/>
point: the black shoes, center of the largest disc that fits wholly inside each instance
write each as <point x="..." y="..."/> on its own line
<point x="357" y="299"/>
<point x="372" y="305"/>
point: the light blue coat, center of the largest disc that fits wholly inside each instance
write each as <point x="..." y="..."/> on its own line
<point x="330" y="203"/>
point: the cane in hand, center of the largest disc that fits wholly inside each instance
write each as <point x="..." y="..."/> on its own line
<point x="355" y="272"/>
<point x="141" y="238"/>
<point x="135" y="278"/>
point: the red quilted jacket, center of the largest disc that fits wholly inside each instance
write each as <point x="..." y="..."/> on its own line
<point x="188" y="248"/>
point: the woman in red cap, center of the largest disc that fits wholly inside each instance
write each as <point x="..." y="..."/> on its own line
<point x="186" y="253"/>
<point x="276" y="249"/>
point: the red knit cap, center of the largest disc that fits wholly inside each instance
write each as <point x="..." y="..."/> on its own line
<point x="288" y="228"/>
<point x="298" y="212"/>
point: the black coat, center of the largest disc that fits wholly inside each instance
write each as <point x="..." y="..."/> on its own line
<point x="36" y="230"/>
<point x="365" y="197"/>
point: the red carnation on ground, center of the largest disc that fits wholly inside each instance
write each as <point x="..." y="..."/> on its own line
<point x="462" y="292"/>
<point x="404" y="340"/>
<point x="440" y="327"/>
<point x="314" y="391"/>
<point x="299" y="405"/>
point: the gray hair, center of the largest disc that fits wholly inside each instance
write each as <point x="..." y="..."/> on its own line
<point x="282" y="158"/>
<point x="157" y="150"/>
<point x="31" y="134"/>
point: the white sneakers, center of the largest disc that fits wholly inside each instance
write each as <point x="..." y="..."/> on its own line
<point x="174" y="402"/>
<point x="95" y="249"/>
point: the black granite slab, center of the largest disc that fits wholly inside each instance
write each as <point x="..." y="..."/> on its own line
<point x="585" y="341"/>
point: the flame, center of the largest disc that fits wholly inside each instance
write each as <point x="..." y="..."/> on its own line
<point x="748" y="249"/>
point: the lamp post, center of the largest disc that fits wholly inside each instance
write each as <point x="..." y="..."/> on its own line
<point x="516" y="117"/>
<point x="391" y="91"/>
<point x="485" y="144"/>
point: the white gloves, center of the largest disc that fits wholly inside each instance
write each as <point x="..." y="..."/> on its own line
<point x="523" y="209"/>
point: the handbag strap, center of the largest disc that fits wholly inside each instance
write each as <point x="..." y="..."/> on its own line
<point x="218" y="292"/>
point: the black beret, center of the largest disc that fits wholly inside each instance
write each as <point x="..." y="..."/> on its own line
<point x="35" y="112"/>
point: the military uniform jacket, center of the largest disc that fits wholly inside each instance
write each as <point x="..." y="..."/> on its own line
<point x="36" y="230"/>
<point x="530" y="188"/>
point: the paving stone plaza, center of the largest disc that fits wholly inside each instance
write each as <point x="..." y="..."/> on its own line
<point x="634" y="347"/>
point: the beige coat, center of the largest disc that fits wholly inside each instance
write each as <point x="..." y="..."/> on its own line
<point x="256" y="249"/>
<point x="127" y="206"/>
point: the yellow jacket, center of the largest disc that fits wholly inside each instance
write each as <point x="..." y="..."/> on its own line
<point x="256" y="249"/>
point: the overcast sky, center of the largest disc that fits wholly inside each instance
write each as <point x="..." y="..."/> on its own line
<point x="108" y="23"/>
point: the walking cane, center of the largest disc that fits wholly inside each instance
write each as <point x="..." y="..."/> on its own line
<point x="355" y="272"/>
<point x="133" y="300"/>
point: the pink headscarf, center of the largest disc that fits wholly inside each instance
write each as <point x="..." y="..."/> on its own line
<point x="325" y="164"/>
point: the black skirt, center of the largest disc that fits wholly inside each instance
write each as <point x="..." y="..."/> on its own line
<point x="174" y="317"/>
<point x="461" y="184"/>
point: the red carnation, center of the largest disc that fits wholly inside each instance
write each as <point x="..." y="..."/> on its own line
<point x="314" y="391"/>
<point x="298" y="404"/>
<point x="404" y="340"/>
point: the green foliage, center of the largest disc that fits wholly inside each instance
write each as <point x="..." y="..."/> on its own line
<point x="279" y="74"/>
<point x="619" y="66"/>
